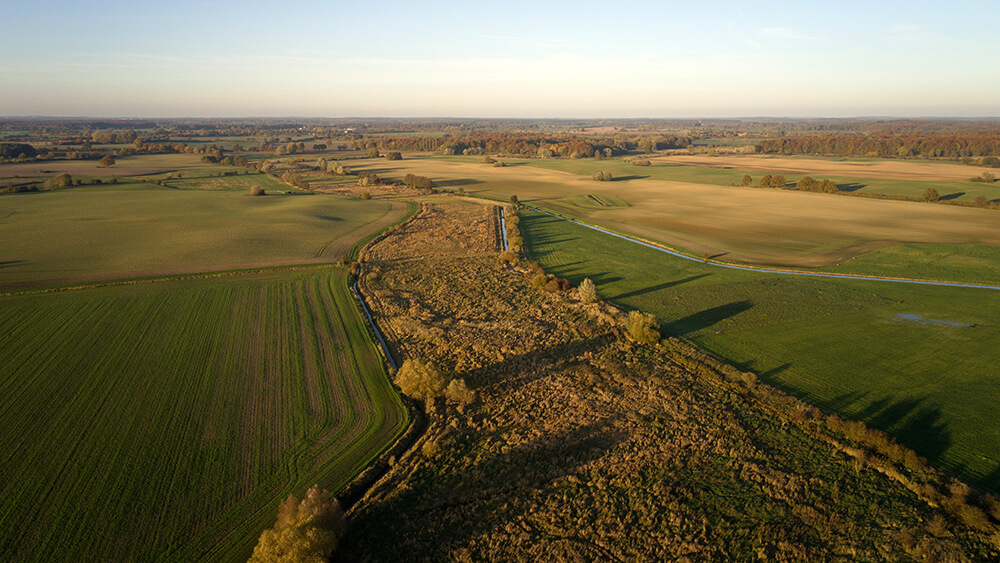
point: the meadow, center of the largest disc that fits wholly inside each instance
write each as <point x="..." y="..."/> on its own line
<point x="164" y="421"/>
<point x="916" y="361"/>
<point x="125" y="230"/>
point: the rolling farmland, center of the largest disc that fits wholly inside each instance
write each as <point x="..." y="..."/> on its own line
<point x="164" y="421"/>
<point x="129" y="230"/>
<point x="868" y="350"/>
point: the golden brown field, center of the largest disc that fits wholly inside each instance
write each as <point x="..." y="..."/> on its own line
<point x="886" y="169"/>
<point x="739" y="224"/>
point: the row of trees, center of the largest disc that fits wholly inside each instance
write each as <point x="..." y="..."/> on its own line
<point x="889" y="145"/>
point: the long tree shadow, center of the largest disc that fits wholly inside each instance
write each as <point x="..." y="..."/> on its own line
<point x="850" y="187"/>
<point x="483" y="488"/>
<point x="658" y="287"/>
<point x="704" y="319"/>
<point x="914" y="422"/>
<point x="950" y="197"/>
<point x="457" y="182"/>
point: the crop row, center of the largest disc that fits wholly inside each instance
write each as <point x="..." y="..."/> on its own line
<point x="165" y="421"/>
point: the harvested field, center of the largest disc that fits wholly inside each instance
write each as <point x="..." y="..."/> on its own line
<point x="141" y="165"/>
<point x="166" y="421"/>
<point x="744" y="225"/>
<point x="805" y="166"/>
<point x="130" y="230"/>
<point x="580" y="437"/>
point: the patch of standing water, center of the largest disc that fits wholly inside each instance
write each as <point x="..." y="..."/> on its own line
<point x="935" y="322"/>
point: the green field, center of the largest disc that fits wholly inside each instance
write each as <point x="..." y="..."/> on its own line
<point x="853" y="347"/>
<point x="128" y="230"/>
<point x="164" y="421"/>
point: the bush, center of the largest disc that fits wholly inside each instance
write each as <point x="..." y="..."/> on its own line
<point x="393" y="155"/>
<point x="489" y="160"/>
<point x="643" y="327"/>
<point x="373" y="153"/>
<point x="366" y="195"/>
<point x="641" y="162"/>
<point x="421" y="380"/>
<point x="458" y="392"/>
<point x="602" y="176"/>
<point x="981" y="201"/>
<point x="305" y="531"/>
<point x="257" y="191"/>
<point x="931" y="195"/>
<point x="588" y="293"/>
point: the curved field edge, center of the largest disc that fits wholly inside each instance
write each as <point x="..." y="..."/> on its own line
<point x="119" y="448"/>
<point x="867" y="350"/>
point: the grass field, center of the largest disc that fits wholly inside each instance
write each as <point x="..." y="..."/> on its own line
<point x="880" y="352"/>
<point x="129" y="230"/>
<point x="164" y="421"/>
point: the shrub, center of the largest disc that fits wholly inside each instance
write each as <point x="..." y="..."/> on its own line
<point x="499" y="164"/>
<point x="641" y="162"/>
<point x="257" y="191"/>
<point x="489" y="160"/>
<point x="588" y="293"/>
<point x="981" y="201"/>
<point x="60" y="181"/>
<point x="366" y="195"/>
<point x="373" y="152"/>
<point x="393" y="155"/>
<point x="643" y="327"/>
<point x="931" y="195"/>
<point x="421" y="380"/>
<point x="509" y="257"/>
<point x="602" y="176"/>
<point x="304" y="531"/>
<point x="539" y="281"/>
<point x="458" y="392"/>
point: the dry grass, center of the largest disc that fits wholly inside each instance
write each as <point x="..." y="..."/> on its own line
<point x="885" y="169"/>
<point x="586" y="446"/>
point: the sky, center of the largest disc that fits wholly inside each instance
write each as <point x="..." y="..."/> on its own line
<point x="538" y="59"/>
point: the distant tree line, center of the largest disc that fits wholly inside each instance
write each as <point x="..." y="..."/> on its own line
<point x="910" y="145"/>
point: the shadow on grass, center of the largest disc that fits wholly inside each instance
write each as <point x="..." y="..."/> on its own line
<point x="658" y="287"/>
<point x="953" y="196"/>
<point x="457" y="182"/>
<point x="630" y="177"/>
<point x="504" y="481"/>
<point x="850" y="187"/>
<point x="10" y="263"/>
<point x="707" y="318"/>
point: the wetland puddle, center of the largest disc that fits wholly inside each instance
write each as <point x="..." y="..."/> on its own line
<point x="909" y="317"/>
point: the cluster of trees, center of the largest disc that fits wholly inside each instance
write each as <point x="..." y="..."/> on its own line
<point x="419" y="182"/>
<point x="17" y="150"/>
<point x="60" y="181"/>
<point x="366" y="179"/>
<point x="602" y="176"/>
<point x="985" y="177"/>
<point x="766" y="181"/>
<point x="549" y="282"/>
<point x="808" y="184"/>
<point x="926" y="145"/>
<point x="305" y="532"/>
<point x="423" y="381"/>
<point x="335" y="168"/>
<point x="393" y="155"/>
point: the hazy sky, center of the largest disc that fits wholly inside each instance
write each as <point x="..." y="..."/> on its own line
<point x="500" y="59"/>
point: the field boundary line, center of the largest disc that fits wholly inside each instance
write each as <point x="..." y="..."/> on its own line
<point x="181" y="277"/>
<point x="780" y="271"/>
